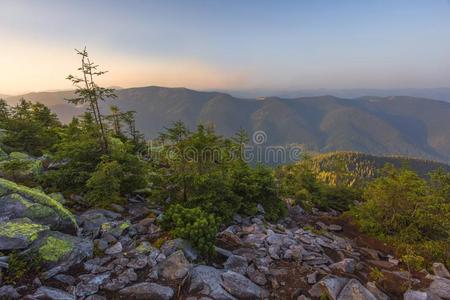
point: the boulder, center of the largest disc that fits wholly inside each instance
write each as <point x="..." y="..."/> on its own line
<point x="171" y="246"/>
<point x="176" y="266"/>
<point x="228" y="240"/>
<point x="92" y="220"/>
<point x="17" y="201"/>
<point x="237" y="264"/>
<point x="241" y="287"/>
<point x="346" y="265"/>
<point x="53" y="294"/>
<point x="440" y="270"/>
<point x="114" y="249"/>
<point x="8" y="292"/>
<point x="330" y="286"/>
<point x="441" y="287"/>
<point x="206" y="280"/>
<point x="354" y="290"/>
<point x="148" y="290"/>
<point x="419" y="295"/>
<point x="58" y="251"/>
<point x="19" y="233"/>
<point x="372" y="287"/>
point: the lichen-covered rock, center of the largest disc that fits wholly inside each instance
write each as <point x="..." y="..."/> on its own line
<point x="17" y="201"/>
<point x="19" y="233"/>
<point x="59" y="251"/>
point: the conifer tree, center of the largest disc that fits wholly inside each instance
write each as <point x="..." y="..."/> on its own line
<point x="88" y="92"/>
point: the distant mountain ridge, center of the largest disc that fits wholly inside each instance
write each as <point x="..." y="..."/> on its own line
<point x="406" y="126"/>
<point x="441" y="93"/>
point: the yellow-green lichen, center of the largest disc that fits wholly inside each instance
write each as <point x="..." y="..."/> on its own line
<point x="7" y="186"/>
<point x="124" y="225"/>
<point x="54" y="249"/>
<point x="21" y="228"/>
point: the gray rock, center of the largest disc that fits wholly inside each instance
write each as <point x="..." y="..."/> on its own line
<point x="206" y="280"/>
<point x="334" y="227"/>
<point x="330" y="285"/>
<point x="95" y="297"/>
<point x="171" y="246"/>
<point x="85" y="289"/>
<point x="128" y="276"/>
<point x="275" y="239"/>
<point x="92" y="220"/>
<point x="354" y="290"/>
<point x="440" y="270"/>
<point x="416" y="295"/>
<point x="312" y="278"/>
<point x="440" y="287"/>
<point x="67" y="279"/>
<point x="256" y="276"/>
<point x="8" y="292"/>
<point x="346" y="265"/>
<point x="138" y="263"/>
<point x="176" y="266"/>
<point x="237" y="264"/>
<point x="53" y="294"/>
<point x="241" y="287"/>
<point x="115" y="249"/>
<point x="372" y="287"/>
<point x="148" y="290"/>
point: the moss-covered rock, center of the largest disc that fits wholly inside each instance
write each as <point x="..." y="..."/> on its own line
<point x="58" y="197"/>
<point x="56" y="249"/>
<point x="19" y="233"/>
<point x="17" y="201"/>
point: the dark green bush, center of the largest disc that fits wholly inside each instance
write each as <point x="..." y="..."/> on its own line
<point x="194" y="225"/>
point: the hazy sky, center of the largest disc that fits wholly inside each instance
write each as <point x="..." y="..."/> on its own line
<point x="228" y="44"/>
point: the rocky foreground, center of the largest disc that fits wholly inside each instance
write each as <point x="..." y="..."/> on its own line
<point x="124" y="254"/>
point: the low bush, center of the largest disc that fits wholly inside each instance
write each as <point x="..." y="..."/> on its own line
<point x="194" y="225"/>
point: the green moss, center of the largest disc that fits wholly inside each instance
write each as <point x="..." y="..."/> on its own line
<point x="54" y="249"/>
<point x="37" y="211"/>
<point x="7" y="186"/>
<point x="21" y="228"/>
<point x="21" y="199"/>
<point x="19" y="155"/>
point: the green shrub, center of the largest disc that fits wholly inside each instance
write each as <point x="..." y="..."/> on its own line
<point x="20" y="266"/>
<point x="194" y="225"/>
<point x="414" y="262"/>
<point x="104" y="184"/>
<point x="409" y="212"/>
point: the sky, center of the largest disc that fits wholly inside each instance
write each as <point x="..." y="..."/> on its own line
<point x="229" y="44"/>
